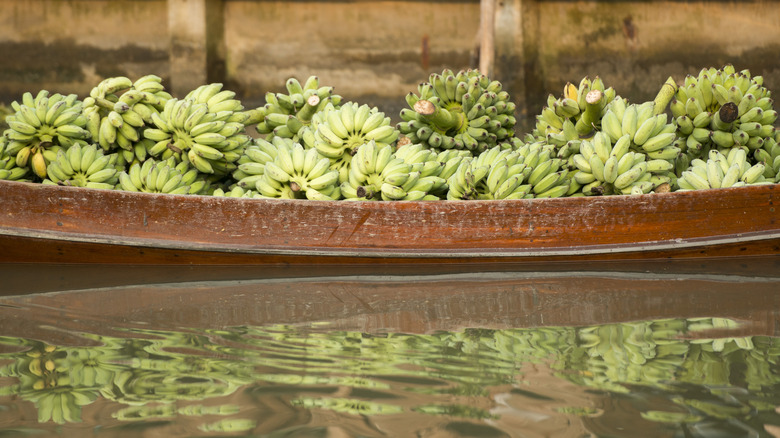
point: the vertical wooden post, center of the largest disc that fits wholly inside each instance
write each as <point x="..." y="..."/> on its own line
<point x="516" y="56"/>
<point x="196" y="36"/>
<point x="487" y="11"/>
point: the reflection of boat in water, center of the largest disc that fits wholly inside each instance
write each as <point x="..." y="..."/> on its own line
<point x="388" y="300"/>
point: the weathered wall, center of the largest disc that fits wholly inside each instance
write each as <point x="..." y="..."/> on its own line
<point x="69" y="46"/>
<point x="366" y="50"/>
<point x="373" y="51"/>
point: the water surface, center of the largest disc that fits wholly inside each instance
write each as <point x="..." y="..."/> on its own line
<point x="687" y="352"/>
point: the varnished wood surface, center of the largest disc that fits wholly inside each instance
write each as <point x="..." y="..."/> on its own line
<point x="41" y="223"/>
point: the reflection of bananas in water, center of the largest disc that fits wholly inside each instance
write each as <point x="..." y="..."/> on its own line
<point x="61" y="405"/>
<point x="348" y="406"/>
<point x="671" y="417"/>
<point x="229" y="425"/>
<point x="199" y="410"/>
<point x="719" y="344"/>
<point x="145" y="413"/>
<point x="154" y="375"/>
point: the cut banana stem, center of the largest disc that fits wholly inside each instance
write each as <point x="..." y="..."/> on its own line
<point x="440" y="117"/>
<point x="728" y="112"/>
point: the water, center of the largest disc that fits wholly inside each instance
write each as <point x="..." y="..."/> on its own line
<point x="659" y="351"/>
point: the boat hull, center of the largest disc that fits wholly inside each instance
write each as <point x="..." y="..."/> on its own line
<point x="51" y="224"/>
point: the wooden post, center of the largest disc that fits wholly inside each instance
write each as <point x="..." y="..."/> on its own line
<point x="196" y="38"/>
<point x="516" y="57"/>
<point x="487" y="12"/>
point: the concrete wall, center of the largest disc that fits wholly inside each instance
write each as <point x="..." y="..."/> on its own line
<point x="377" y="51"/>
<point x="69" y="46"/>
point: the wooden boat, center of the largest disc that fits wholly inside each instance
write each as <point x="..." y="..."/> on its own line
<point x="52" y="224"/>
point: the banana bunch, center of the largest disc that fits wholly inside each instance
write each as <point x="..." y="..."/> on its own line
<point x="462" y="111"/>
<point x="605" y="169"/>
<point x="118" y="110"/>
<point x="722" y="170"/>
<point x="337" y="133"/>
<point x="582" y="106"/>
<point x="723" y="108"/>
<point x="251" y="164"/>
<point x="648" y="132"/>
<point x="83" y="166"/>
<point x="236" y="192"/>
<point x="8" y="168"/>
<point x="769" y="155"/>
<point x="283" y="115"/>
<point x="165" y="176"/>
<point x="42" y="123"/>
<point x="547" y="174"/>
<point x="377" y="174"/>
<point x="298" y="173"/>
<point x="423" y="159"/>
<point x="496" y="173"/>
<point x="427" y="161"/>
<point x="205" y="129"/>
<point x="220" y="102"/>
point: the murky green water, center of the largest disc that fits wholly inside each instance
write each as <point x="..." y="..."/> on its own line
<point x="393" y="356"/>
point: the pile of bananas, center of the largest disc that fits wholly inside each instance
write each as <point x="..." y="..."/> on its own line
<point x="43" y="123"/>
<point x="283" y="115"/>
<point x="118" y="110"/>
<point x="206" y="129"/>
<point x="462" y="111"/>
<point x="456" y="140"/>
